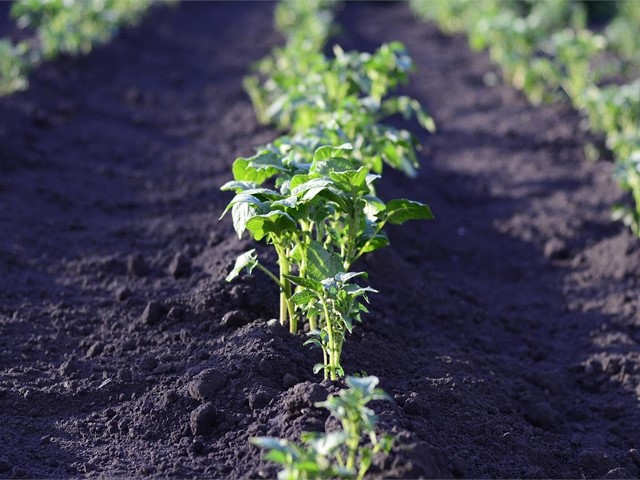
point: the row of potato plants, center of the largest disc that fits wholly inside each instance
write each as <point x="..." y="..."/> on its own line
<point x="311" y="192"/>
<point x="311" y="195"/>
<point x="60" y="27"/>
<point x="546" y="49"/>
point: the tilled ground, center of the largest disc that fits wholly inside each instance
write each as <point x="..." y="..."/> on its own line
<point x="506" y="329"/>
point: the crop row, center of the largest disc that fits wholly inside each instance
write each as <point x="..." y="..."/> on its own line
<point x="311" y="195"/>
<point x="545" y="49"/>
<point x="60" y="27"/>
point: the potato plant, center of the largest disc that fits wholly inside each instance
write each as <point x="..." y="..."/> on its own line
<point x="345" y="453"/>
<point x="310" y="193"/>
<point x="61" y="27"/>
<point x="545" y="48"/>
<point x="342" y="99"/>
<point x="320" y="218"/>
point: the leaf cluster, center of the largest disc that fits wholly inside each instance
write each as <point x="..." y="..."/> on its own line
<point x="61" y="27"/>
<point x="320" y="219"/>
<point x="340" y="99"/>
<point x="546" y="49"/>
<point x="346" y="453"/>
<point x="310" y="193"/>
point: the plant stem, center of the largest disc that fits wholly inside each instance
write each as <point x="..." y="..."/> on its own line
<point x="353" y="442"/>
<point x="362" y="249"/>
<point x="634" y="183"/>
<point x="354" y="221"/>
<point x="286" y="309"/>
<point x="333" y="360"/>
<point x="270" y="275"/>
<point x="325" y="360"/>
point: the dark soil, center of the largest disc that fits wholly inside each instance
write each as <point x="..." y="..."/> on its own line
<point x="507" y="329"/>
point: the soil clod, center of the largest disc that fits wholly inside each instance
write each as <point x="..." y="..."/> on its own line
<point x="207" y="384"/>
<point x="152" y="313"/>
<point x="202" y="419"/>
<point x="180" y="266"/>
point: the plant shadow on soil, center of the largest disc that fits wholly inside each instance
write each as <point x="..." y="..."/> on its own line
<point x="506" y="329"/>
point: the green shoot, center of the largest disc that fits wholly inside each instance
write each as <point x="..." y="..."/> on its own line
<point x="346" y="453"/>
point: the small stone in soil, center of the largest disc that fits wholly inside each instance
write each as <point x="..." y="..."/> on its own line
<point x="619" y="472"/>
<point x="122" y="294"/>
<point x="152" y="313"/>
<point x="180" y="266"/>
<point x="70" y="367"/>
<point x="259" y="399"/>
<point x="556" y="249"/>
<point x="95" y="350"/>
<point x="197" y="446"/>
<point x="235" y="318"/>
<point x="202" y="419"/>
<point x="124" y="375"/>
<point x="541" y="415"/>
<point x="18" y="472"/>
<point x="148" y="363"/>
<point x="289" y="381"/>
<point x="304" y="394"/>
<point x="238" y="295"/>
<point x="214" y="239"/>
<point x="411" y="406"/>
<point x="175" y="314"/>
<point x="276" y="328"/>
<point x="147" y="469"/>
<point x="170" y="397"/>
<point x="137" y="266"/>
<point x="5" y="466"/>
<point x="207" y="384"/>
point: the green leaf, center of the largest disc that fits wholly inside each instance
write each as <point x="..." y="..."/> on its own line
<point x="247" y="260"/>
<point x="356" y="290"/>
<point x="313" y="341"/>
<point x="328" y="151"/>
<point x="321" y="263"/>
<point x="315" y="185"/>
<point x="302" y="297"/>
<point x="241" y="213"/>
<point x="344" y="277"/>
<point x="333" y="164"/>
<point x="275" y="222"/>
<point x="242" y="198"/>
<point x="366" y="385"/>
<point x="308" y="466"/>
<point x="309" y="283"/>
<point x="317" y="368"/>
<point x="300" y="179"/>
<point x="272" y="443"/>
<point x="423" y="118"/>
<point x="329" y="442"/>
<point x="377" y="242"/>
<point x="289" y="202"/>
<point x="403" y="210"/>
<point x="263" y="194"/>
<point x="238" y="186"/>
<point x="352" y="179"/>
<point x="258" y="168"/>
<point x="276" y="456"/>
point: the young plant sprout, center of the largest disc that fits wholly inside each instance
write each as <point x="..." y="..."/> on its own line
<point x="345" y="453"/>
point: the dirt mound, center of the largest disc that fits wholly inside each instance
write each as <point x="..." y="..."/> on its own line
<point x="506" y="330"/>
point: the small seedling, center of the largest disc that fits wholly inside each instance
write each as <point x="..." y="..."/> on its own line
<point x="346" y="453"/>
